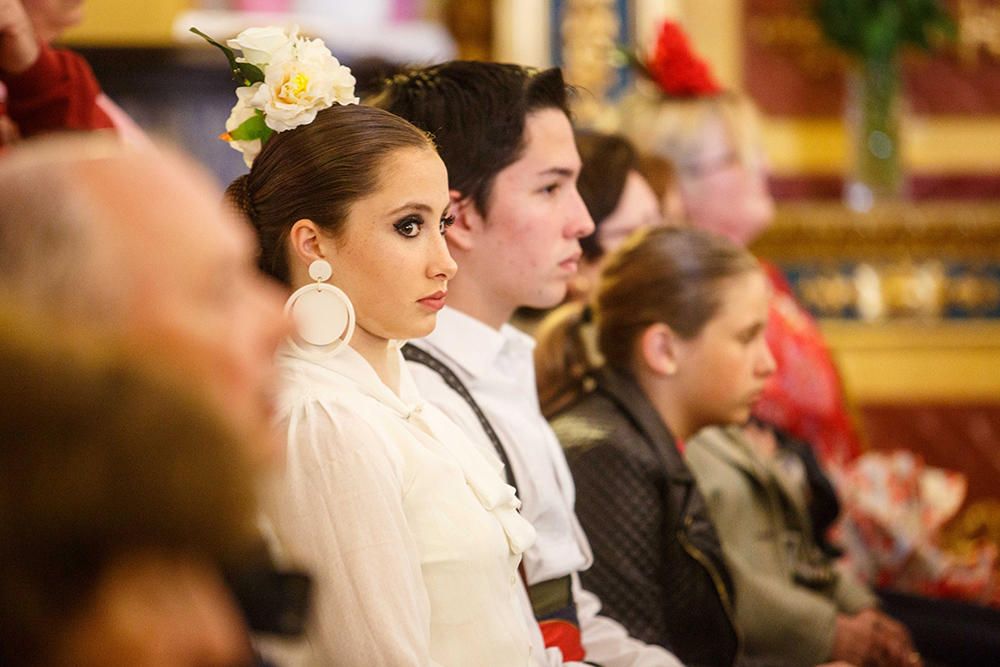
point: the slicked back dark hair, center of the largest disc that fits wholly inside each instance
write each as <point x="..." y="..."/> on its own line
<point x="476" y="113"/>
<point x="318" y="171"/>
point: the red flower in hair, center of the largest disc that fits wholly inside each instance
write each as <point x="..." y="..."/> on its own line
<point x="675" y="67"/>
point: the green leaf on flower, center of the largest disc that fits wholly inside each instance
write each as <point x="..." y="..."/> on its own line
<point x="252" y="128"/>
<point x="251" y="73"/>
<point x="245" y="74"/>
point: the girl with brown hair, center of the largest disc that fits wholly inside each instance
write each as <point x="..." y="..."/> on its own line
<point x="714" y="140"/>
<point x="712" y="136"/>
<point x="679" y="318"/>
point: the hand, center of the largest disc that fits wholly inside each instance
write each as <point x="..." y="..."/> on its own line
<point x="18" y="44"/>
<point x="899" y="644"/>
<point x="872" y="638"/>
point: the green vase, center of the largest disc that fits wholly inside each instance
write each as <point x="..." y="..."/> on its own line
<point x="874" y="115"/>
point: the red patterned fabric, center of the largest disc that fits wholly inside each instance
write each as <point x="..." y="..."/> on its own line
<point x="564" y="636"/>
<point x="805" y="396"/>
<point x="895" y="509"/>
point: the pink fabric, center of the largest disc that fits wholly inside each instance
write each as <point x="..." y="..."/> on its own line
<point x="894" y="509"/>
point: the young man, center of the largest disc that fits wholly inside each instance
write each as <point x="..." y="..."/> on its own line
<point x="504" y="133"/>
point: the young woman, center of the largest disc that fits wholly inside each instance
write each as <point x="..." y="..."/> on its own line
<point x="618" y="197"/>
<point x="411" y="533"/>
<point x="680" y="316"/>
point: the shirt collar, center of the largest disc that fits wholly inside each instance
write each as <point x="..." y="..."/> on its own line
<point x="355" y="370"/>
<point x="472" y="344"/>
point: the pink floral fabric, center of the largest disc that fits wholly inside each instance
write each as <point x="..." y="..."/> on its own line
<point x="894" y="509"/>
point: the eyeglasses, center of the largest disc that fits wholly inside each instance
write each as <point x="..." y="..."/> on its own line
<point x="712" y="165"/>
<point x="755" y="161"/>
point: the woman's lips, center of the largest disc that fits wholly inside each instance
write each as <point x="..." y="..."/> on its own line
<point x="434" y="301"/>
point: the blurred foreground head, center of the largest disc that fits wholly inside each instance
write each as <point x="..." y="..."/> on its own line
<point x="139" y="243"/>
<point x="120" y="497"/>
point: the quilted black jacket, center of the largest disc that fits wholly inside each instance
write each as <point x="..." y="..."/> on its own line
<point x="658" y="567"/>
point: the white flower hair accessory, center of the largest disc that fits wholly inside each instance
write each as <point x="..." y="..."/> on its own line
<point x="286" y="80"/>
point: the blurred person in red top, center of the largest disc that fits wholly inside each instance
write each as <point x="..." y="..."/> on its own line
<point x="46" y="89"/>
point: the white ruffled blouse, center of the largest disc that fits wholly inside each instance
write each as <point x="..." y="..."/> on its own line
<point x="411" y="534"/>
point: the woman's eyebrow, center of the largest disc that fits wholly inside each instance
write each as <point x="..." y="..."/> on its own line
<point x="412" y="206"/>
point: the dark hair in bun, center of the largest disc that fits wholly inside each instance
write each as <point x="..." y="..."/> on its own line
<point x="317" y="172"/>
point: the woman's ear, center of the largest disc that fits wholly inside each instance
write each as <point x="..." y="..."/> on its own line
<point x="306" y="242"/>
<point x="461" y="235"/>
<point x="658" y="349"/>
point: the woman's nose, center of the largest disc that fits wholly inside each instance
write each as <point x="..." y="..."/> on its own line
<point x="442" y="265"/>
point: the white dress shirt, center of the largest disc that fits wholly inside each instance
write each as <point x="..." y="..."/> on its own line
<point x="497" y="367"/>
<point x="411" y="534"/>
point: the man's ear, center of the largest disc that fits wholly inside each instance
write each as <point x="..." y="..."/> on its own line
<point x="306" y="242"/>
<point x="468" y="221"/>
<point x="659" y="348"/>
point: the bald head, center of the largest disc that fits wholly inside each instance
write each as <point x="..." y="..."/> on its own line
<point x="52" y="257"/>
<point x="140" y="241"/>
<point x="81" y="216"/>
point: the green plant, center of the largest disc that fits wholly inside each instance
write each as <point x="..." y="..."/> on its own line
<point x="876" y="30"/>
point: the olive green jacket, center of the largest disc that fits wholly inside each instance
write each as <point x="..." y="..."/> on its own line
<point x="788" y="593"/>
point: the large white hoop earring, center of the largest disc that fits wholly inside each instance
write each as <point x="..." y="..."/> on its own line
<point x="322" y="313"/>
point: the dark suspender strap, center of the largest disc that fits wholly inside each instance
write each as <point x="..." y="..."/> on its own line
<point x="420" y="356"/>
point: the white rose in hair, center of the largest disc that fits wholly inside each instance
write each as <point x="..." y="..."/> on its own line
<point x="242" y="112"/>
<point x="302" y="84"/>
<point x="261" y="46"/>
<point x="301" y="78"/>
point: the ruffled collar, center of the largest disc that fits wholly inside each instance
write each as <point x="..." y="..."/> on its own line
<point x="484" y="476"/>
